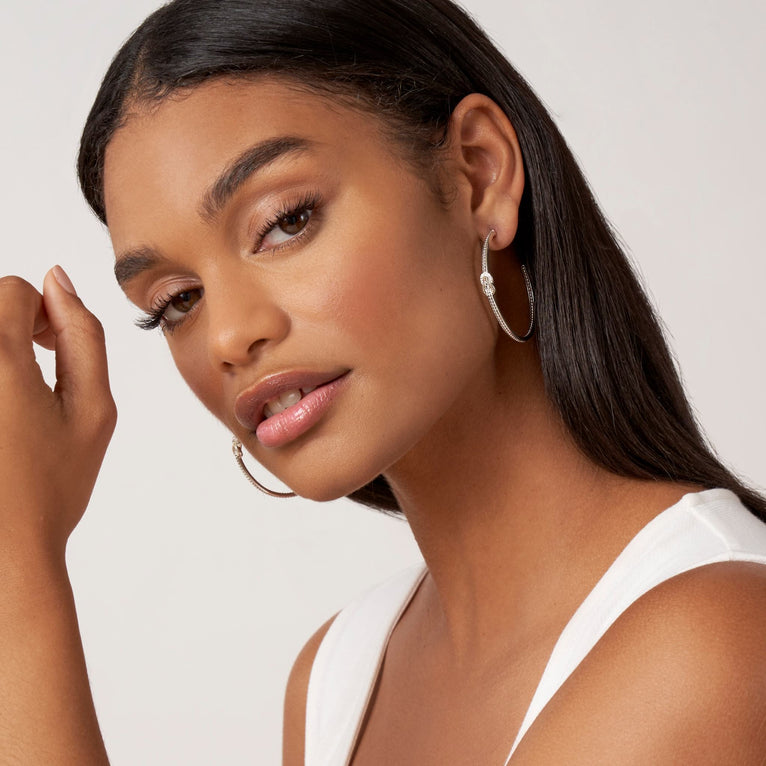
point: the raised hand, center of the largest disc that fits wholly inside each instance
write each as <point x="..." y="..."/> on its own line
<point x="52" y="442"/>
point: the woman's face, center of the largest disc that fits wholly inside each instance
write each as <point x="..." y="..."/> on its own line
<point x="284" y="246"/>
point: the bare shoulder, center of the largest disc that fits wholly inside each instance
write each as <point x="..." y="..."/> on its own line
<point x="679" y="678"/>
<point x="294" y="729"/>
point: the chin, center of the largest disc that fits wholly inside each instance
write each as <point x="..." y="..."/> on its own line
<point x="324" y="493"/>
<point x="324" y="488"/>
<point x="330" y="466"/>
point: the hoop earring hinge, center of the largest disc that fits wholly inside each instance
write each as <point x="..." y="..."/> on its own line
<point x="236" y="448"/>
<point x="488" y="287"/>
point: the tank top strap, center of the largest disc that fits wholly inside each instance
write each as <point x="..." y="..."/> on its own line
<point x="702" y="528"/>
<point x="346" y="667"/>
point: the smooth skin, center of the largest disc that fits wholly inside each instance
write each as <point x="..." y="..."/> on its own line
<point x="516" y="526"/>
<point x="52" y="443"/>
<point x="380" y="281"/>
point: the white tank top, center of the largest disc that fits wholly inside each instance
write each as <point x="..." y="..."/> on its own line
<point x="702" y="528"/>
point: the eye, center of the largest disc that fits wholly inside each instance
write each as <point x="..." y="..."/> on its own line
<point x="286" y="225"/>
<point x="170" y="311"/>
<point x="293" y="223"/>
<point x="179" y="305"/>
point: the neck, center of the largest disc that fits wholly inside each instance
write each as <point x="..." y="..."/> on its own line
<point x="515" y="524"/>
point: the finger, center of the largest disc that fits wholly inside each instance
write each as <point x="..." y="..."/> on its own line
<point x="45" y="338"/>
<point x="81" y="369"/>
<point x="42" y="333"/>
<point x="22" y="314"/>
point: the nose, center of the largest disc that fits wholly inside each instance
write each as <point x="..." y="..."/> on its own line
<point x="243" y="319"/>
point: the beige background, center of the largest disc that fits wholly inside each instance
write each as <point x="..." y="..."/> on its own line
<point x="194" y="592"/>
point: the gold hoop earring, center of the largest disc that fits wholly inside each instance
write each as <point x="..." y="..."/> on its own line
<point x="488" y="287"/>
<point x="236" y="448"/>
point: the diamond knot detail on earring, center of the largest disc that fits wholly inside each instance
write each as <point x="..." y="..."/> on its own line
<point x="487" y="283"/>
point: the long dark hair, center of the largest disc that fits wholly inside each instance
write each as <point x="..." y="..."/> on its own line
<point x="605" y="362"/>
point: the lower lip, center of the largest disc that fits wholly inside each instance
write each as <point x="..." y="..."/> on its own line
<point x="286" y="426"/>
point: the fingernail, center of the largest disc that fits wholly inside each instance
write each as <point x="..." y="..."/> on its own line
<point x="62" y="278"/>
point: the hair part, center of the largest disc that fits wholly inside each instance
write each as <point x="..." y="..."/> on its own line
<point x="606" y="364"/>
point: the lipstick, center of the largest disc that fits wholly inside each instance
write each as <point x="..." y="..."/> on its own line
<point x="283" y="427"/>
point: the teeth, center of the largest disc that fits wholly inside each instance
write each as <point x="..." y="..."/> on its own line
<point x="285" y="400"/>
<point x="289" y="398"/>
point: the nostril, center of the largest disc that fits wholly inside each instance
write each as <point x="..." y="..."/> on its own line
<point x="236" y="340"/>
<point x="242" y="316"/>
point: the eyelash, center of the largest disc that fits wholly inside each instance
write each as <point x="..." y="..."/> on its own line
<point x="309" y="201"/>
<point x="155" y="317"/>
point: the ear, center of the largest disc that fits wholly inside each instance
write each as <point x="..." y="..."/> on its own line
<point x="487" y="156"/>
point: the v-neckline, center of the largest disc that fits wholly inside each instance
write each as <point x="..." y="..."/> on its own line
<point x="375" y="679"/>
<point x="689" y="499"/>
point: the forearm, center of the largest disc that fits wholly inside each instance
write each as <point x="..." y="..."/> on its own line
<point x="46" y="709"/>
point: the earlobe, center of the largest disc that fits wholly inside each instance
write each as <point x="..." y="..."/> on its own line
<point x="488" y="156"/>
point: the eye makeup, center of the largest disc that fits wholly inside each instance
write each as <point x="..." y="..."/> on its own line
<point x="181" y="302"/>
<point x="294" y="220"/>
<point x="301" y="212"/>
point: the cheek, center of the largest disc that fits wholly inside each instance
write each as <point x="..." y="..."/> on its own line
<point x="421" y="306"/>
<point x="411" y="316"/>
<point x="192" y="363"/>
<point x="394" y="273"/>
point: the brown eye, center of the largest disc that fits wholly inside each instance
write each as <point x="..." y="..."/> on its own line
<point x="183" y="302"/>
<point x="286" y="225"/>
<point x="293" y="223"/>
<point x="179" y="306"/>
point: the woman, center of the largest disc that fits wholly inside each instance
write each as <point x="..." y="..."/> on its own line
<point x="313" y="253"/>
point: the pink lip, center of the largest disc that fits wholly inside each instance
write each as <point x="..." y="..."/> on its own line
<point x="288" y="425"/>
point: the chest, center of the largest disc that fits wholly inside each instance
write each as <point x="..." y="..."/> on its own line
<point x="423" y="713"/>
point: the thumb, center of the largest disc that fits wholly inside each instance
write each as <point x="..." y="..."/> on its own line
<point x="81" y="368"/>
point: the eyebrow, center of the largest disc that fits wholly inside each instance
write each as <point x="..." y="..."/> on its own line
<point x="251" y="161"/>
<point x="134" y="262"/>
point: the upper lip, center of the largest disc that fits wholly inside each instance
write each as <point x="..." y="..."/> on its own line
<point x="248" y="406"/>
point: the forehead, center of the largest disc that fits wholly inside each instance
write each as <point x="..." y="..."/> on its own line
<point x="175" y="147"/>
<point x="226" y="112"/>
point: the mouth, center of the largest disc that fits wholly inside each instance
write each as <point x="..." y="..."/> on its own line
<point x="285" y="401"/>
<point x="282" y="407"/>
